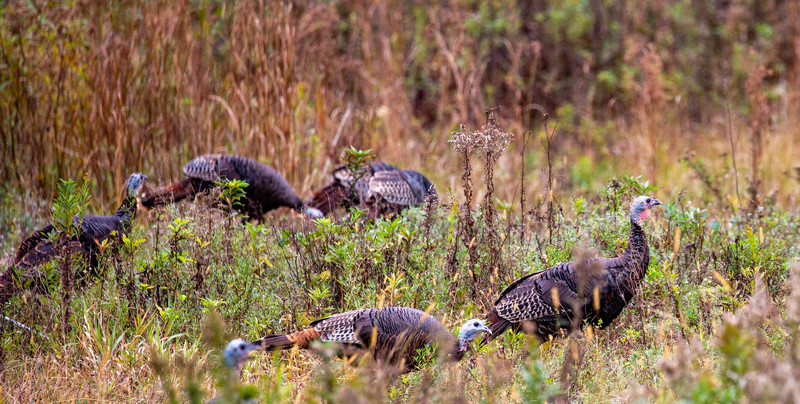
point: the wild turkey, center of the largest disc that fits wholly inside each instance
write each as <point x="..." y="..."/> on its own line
<point x="38" y="249"/>
<point x="236" y="353"/>
<point x="8" y="286"/>
<point x="382" y="189"/>
<point x="340" y="192"/>
<point x="391" y="335"/>
<point x="266" y="190"/>
<point x="545" y="301"/>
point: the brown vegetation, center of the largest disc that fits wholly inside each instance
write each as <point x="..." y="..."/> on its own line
<point x="101" y="87"/>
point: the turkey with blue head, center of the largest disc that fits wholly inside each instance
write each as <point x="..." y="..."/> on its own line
<point x="593" y="291"/>
<point x="392" y="336"/>
<point x="266" y="188"/>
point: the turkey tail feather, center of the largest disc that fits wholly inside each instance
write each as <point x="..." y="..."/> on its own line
<point x="328" y="198"/>
<point x="171" y="193"/>
<point x="276" y="342"/>
<point x="36" y="249"/>
<point x="497" y="325"/>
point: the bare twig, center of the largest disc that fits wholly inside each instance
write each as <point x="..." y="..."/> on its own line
<point x="23" y="326"/>
<point x="733" y="145"/>
<point x="525" y="136"/>
<point x="547" y="143"/>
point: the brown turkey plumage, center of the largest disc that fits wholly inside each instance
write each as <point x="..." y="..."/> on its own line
<point x="266" y="190"/>
<point x="544" y="302"/>
<point x="390" y="335"/>
<point x="381" y="189"/>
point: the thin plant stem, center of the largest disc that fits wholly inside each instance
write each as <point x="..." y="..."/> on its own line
<point x="733" y="145"/>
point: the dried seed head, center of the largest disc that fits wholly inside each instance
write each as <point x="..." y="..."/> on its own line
<point x="489" y="142"/>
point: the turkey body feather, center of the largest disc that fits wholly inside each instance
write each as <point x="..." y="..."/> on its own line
<point x="389" y="335"/>
<point x="266" y="190"/>
<point x="381" y="189"/>
<point x="573" y="293"/>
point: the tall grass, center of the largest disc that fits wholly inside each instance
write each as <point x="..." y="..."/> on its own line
<point x="145" y="329"/>
<point x="101" y="88"/>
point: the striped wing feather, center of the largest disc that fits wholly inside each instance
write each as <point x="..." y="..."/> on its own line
<point x="340" y="327"/>
<point x="392" y="187"/>
<point x="390" y="334"/>
<point x="36" y="249"/>
<point x="204" y="168"/>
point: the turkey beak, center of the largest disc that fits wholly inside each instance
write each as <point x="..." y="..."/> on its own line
<point x="485" y="329"/>
<point x="246" y="354"/>
<point x="656" y="202"/>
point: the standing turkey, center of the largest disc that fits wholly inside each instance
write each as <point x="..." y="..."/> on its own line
<point x="382" y="189"/>
<point x="546" y="301"/>
<point x="38" y="249"/>
<point x="391" y="335"/>
<point x="266" y="190"/>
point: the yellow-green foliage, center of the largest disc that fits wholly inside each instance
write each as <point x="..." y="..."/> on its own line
<point x="146" y="330"/>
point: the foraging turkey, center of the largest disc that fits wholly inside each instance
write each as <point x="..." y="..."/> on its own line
<point x="266" y="190"/>
<point x="236" y="353"/>
<point x="38" y="249"/>
<point x="340" y="192"/>
<point x="545" y="301"/>
<point x="391" y="335"/>
<point x="382" y="189"/>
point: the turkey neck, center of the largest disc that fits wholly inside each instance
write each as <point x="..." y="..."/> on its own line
<point x="127" y="210"/>
<point x="459" y="353"/>
<point x="636" y="258"/>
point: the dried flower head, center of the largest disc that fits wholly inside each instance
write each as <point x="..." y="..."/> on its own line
<point x="489" y="142"/>
<point x="462" y="141"/>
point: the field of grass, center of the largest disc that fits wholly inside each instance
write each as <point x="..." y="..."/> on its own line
<point x="716" y="319"/>
<point x="697" y="106"/>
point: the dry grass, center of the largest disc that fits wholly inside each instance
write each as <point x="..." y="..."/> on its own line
<point x="147" y="85"/>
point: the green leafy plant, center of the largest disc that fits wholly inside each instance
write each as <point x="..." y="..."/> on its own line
<point x="68" y="211"/>
<point x="233" y="192"/>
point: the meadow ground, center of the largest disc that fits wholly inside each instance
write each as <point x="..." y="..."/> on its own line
<point x="716" y="318"/>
